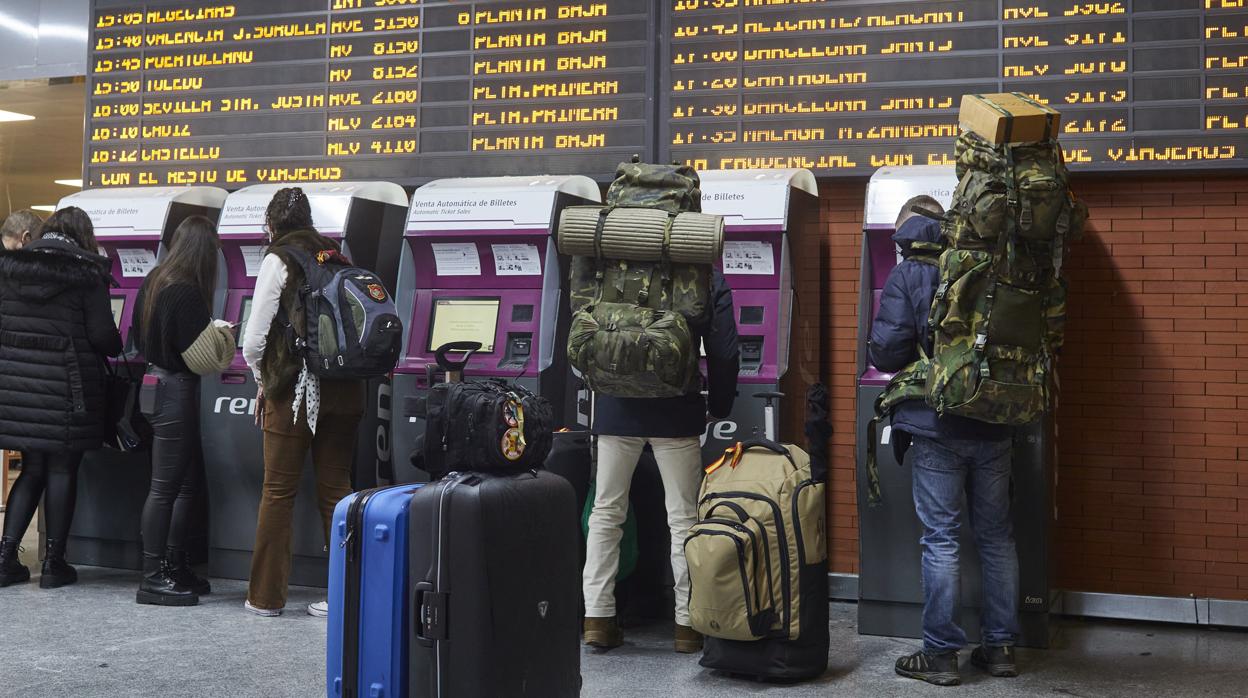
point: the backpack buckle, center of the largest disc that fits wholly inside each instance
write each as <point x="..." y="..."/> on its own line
<point x="981" y="341"/>
<point x="942" y="289"/>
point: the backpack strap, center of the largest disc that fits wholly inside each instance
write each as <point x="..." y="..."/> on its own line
<point x="599" y="263"/>
<point x="1000" y="258"/>
<point x="910" y="383"/>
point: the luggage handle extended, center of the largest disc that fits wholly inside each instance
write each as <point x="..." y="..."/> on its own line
<point x="455" y="369"/>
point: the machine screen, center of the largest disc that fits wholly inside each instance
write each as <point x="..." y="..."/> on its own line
<point x="119" y="306"/>
<point x="464" y="320"/>
<point x="243" y="316"/>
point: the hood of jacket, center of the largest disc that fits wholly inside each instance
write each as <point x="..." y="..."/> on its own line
<point x="918" y="229"/>
<point x="48" y="266"/>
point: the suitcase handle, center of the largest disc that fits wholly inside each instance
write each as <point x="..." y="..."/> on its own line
<point x="429" y="609"/>
<point x="469" y="348"/>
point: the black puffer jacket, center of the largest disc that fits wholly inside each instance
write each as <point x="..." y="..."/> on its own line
<point x="56" y="324"/>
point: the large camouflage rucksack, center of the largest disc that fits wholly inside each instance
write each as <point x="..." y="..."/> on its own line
<point x="999" y="312"/>
<point x="630" y="333"/>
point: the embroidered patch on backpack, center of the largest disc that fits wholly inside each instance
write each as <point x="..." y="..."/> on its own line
<point x="376" y="292"/>
<point x="512" y="446"/>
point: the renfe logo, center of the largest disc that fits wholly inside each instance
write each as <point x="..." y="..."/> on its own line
<point x="237" y="405"/>
<point x="725" y="430"/>
<point x="384" y="401"/>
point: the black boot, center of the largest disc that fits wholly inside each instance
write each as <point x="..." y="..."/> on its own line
<point x="56" y="572"/>
<point x="159" y="588"/>
<point x="183" y="574"/>
<point x="12" y="571"/>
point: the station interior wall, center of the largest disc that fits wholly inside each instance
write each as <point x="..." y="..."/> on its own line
<point x="1152" y="494"/>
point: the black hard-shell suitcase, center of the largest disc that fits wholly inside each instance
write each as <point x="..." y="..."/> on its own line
<point x="496" y="589"/>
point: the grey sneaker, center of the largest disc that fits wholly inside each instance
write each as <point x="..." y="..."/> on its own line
<point x="997" y="661"/>
<point x="318" y="609"/>
<point x="264" y="612"/>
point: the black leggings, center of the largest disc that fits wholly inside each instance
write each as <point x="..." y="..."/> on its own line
<point x="54" y="473"/>
<point x="177" y="463"/>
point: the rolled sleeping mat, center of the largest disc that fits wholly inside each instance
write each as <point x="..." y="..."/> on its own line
<point x="637" y="234"/>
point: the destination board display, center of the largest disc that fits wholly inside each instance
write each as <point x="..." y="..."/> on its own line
<point x="237" y="93"/>
<point x="846" y="86"/>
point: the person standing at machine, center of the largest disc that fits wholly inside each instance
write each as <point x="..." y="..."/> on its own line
<point x="299" y="412"/>
<point x="19" y="229"/>
<point x="56" y="328"/>
<point x="952" y="457"/>
<point x="672" y="427"/>
<point x="181" y="342"/>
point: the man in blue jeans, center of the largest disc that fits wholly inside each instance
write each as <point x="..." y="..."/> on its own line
<point x="955" y="462"/>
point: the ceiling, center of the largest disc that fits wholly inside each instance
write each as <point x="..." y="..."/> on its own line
<point x="33" y="154"/>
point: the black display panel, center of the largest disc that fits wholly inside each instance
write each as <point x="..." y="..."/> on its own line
<point x="846" y="86"/>
<point x="238" y="93"/>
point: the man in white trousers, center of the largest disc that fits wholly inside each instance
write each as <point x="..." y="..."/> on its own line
<point x="672" y="427"/>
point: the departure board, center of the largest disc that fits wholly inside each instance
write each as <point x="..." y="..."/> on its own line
<point x="846" y="86"/>
<point x="252" y="91"/>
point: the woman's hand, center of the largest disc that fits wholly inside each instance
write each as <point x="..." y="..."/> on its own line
<point x="259" y="405"/>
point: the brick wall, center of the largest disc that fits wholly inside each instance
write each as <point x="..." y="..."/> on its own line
<point x="1153" y="475"/>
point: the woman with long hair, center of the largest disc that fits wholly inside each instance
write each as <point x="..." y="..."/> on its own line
<point x="298" y="412"/>
<point x="181" y="342"/>
<point x="56" y="327"/>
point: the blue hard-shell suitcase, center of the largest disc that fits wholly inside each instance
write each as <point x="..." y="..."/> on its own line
<point x="368" y="607"/>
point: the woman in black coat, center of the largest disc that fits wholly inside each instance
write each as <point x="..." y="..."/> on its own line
<point x="56" y="327"/>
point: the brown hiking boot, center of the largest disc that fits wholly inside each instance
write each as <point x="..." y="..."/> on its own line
<point x="688" y="640"/>
<point x="603" y="633"/>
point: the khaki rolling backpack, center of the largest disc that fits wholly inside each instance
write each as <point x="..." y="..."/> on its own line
<point x="760" y="525"/>
<point x="999" y="312"/>
<point x="640" y="276"/>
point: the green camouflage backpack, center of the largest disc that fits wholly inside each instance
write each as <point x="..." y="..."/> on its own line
<point x="999" y="311"/>
<point x="1000" y="308"/>
<point x="630" y="334"/>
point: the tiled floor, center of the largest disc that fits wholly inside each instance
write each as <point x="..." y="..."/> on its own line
<point x="91" y="640"/>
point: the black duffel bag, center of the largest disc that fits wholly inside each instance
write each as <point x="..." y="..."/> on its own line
<point x="482" y="426"/>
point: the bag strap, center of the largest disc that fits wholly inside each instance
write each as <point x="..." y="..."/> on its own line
<point x="999" y="259"/>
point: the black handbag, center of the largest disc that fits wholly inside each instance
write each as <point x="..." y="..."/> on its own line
<point x="129" y="430"/>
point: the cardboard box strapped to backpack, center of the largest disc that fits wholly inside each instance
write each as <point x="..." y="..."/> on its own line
<point x="998" y="316"/>
<point x="640" y="276"/>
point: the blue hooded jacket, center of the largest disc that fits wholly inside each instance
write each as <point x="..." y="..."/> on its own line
<point x="901" y="323"/>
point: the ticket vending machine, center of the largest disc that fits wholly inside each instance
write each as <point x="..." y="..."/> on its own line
<point x="480" y="264"/>
<point x="762" y="211"/>
<point x="368" y="219"/>
<point x="132" y="227"/>
<point x="889" y="584"/>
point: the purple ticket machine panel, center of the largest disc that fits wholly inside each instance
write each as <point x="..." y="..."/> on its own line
<point x="890" y="593"/>
<point x="761" y="209"/>
<point x="479" y="264"/>
<point x="368" y="220"/>
<point x="133" y="227"/>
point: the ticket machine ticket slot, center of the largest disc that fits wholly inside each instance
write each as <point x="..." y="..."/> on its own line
<point x="751" y="355"/>
<point x="519" y="349"/>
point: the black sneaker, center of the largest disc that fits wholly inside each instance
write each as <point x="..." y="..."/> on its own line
<point x="997" y="661"/>
<point x="936" y="669"/>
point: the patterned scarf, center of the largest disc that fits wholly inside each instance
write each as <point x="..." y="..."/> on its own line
<point x="307" y="393"/>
